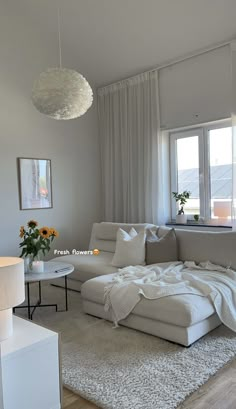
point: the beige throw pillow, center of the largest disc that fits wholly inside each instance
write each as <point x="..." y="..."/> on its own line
<point x="160" y="250"/>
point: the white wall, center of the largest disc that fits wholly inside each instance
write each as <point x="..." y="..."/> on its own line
<point x="196" y="90"/>
<point x="71" y="145"/>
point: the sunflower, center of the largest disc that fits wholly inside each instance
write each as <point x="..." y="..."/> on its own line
<point x="44" y="232"/>
<point x="22" y="231"/>
<point x="32" y="224"/>
<point x="54" y="232"/>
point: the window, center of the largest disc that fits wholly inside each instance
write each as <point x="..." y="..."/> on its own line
<point x="220" y="163"/>
<point x="201" y="162"/>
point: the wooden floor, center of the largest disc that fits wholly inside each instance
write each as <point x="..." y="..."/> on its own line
<point x="218" y="393"/>
<point x="72" y="401"/>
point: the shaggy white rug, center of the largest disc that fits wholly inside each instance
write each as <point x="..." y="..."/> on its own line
<point x="123" y="368"/>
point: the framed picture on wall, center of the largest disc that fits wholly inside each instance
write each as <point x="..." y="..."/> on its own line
<point x="35" y="183"/>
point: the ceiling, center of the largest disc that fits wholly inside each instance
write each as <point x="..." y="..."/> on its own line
<point x="108" y="40"/>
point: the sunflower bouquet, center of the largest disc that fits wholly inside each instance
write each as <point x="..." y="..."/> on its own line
<point x="36" y="240"/>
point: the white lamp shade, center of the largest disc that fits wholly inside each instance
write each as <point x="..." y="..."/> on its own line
<point x="12" y="286"/>
<point x="222" y="209"/>
<point x="62" y="93"/>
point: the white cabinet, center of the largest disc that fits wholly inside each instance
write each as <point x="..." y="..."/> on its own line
<point x="30" y="368"/>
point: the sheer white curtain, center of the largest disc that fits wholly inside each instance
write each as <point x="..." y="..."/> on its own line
<point x="131" y="150"/>
<point x="233" y="72"/>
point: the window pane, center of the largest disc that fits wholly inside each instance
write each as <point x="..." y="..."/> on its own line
<point x="188" y="172"/>
<point x="221" y="172"/>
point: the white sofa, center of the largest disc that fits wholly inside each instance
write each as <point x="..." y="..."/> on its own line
<point x="180" y="318"/>
<point x="103" y="237"/>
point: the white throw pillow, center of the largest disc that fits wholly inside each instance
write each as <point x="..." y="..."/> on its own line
<point x="130" y="248"/>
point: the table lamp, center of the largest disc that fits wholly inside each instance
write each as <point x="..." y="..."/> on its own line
<point x="12" y="292"/>
<point x="222" y="209"/>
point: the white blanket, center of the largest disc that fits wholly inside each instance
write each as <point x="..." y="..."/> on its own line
<point x="206" y="279"/>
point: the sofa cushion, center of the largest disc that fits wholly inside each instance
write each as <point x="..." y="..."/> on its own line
<point x="103" y="236"/>
<point x="130" y="248"/>
<point x="217" y="247"/>
<point x="183" y="310"/>
<point x="108" y="231"/>
<point x="89" y="266"/>
<point x="160" y="250"/>
<point x="103" y="245"/>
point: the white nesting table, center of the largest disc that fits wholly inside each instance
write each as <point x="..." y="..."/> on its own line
<point x="30" y="367"/>
<point x="52" y="270"/>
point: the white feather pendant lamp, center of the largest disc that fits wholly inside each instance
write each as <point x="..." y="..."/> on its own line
<point x="61" y="93"/>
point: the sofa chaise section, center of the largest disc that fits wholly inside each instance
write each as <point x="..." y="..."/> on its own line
<point x="178" y="318"/>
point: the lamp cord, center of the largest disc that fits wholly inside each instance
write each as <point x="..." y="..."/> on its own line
<point x="59" y="34"/>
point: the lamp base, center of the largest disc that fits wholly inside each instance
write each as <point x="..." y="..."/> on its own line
<point x="6" y="325"/>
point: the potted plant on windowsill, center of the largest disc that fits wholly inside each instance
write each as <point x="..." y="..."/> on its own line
<point x="182" y="198"/>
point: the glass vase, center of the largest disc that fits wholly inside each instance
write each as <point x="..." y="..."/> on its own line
<point x="33" y="264"/>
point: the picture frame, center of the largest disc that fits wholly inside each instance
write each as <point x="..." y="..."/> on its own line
<point x="35" y="183"/>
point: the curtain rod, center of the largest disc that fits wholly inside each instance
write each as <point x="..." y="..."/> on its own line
<point x="173" y="62"/>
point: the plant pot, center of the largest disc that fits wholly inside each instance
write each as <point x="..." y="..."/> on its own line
<point x="181" y="218"/>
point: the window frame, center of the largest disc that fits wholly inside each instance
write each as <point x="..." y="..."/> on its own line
<point x="204" y="164"/>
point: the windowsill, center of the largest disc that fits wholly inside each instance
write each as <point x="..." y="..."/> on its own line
<point x="198" y="224"/>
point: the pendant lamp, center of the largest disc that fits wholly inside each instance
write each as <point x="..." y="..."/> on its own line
<point x="61" y="93"/>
